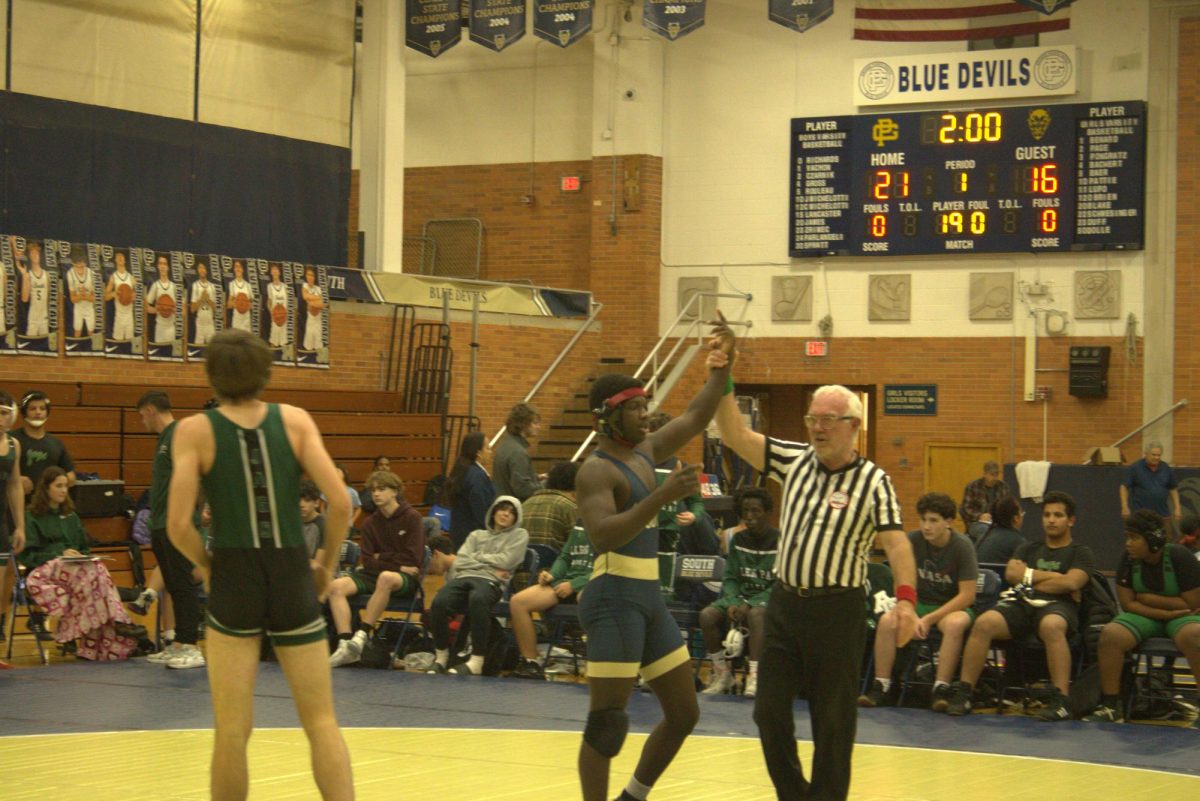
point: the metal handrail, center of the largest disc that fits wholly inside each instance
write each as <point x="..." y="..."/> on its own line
<point x="694" y="324"/>
<point x="596" y="307"/>
<point x="1148" y="423"/>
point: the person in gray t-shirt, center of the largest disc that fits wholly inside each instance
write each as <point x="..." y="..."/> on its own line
<point x="312" y="522"/>
<point x="946" y="583"/>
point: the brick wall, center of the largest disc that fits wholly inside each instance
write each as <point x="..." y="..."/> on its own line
<point x="1187" y="243"/>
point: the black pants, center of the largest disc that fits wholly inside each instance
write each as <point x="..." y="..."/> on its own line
<point x="177" y="577"/>
<point x="474" y="595"/>
<point x="814" y="648"/>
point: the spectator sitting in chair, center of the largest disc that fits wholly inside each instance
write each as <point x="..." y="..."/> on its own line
<point x="442" y="555"/>
<point x="393" y="553"/>
<point x="550" y="513"/>
<point x="381" y="463"/>
<point x="749" y="578"/>
<point x="560" y="584"/>
<point x="484" y="565"/>
<point x="312" y="522"/>
<point x="1189" y="534"/>
<point x="1158" y="585"/>
<point x="1000" y="539"/>
<point x="1047" y="578"/>
<point x="80" y="594"/>
<point x="946" y="581"/>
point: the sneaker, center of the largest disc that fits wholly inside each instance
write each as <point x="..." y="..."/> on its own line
<point x="164" y="656"/>
<point x="876" y="696"/>
<point x="720" y="681"/>
<point x="941" y="698"/>
<point x="438" y="668"/>
<point x="141" y="606"/>
<point x="751" y="688"/>
<point x="959" y="699"/>
<point x="1104" y="714"/>
<point x="528" y="669"/>
<point x="1055" y="709"/>
<point x="461" y="669"/>
<point x="36" y="623"/>
<point x="348" y="652"/>
<point x="189" y="656"/>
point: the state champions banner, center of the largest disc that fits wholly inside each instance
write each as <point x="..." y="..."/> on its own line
<point x="799" y="15"/>
<point x="673" y="18"/>
<point x="434" y="26"/>
<point x="562" y="22"/>
<point x="496" y="24"/>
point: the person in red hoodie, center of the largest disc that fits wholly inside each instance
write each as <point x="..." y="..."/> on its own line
<point x="393" y="555"/>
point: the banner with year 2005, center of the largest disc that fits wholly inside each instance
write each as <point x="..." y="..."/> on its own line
<point x="434" y="26"/>
<point x="673" y="18"/>
<point x="563" y="21"/>
<point x="496" y="24"/>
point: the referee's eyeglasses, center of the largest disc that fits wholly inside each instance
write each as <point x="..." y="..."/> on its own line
<point x="825" y="421"/>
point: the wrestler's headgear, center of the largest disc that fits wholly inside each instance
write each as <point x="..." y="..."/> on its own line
<point x="604" y="402"/>
<point x="1149" y="526"/>
<point x="29" y="397"/>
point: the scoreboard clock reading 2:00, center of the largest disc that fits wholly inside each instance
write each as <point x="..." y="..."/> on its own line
<point x="999" y="180"/>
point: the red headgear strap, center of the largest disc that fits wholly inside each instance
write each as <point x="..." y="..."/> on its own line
<point x="624" y="395"/>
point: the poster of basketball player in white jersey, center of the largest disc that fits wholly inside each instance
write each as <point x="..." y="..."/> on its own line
<point x="279" y="309"/>
<point x="83" y="304"/>
<point x="9" y="292"/>
<point x="35" y="290"/>
<point x="162" y="276"/>
<point x="241" y="290"/>
<point x="312" y="315"/>
<point x="205" y="302"/>
<point x="123" y="299"/>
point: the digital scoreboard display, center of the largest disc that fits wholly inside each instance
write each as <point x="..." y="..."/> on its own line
<point x="999" y="180"/>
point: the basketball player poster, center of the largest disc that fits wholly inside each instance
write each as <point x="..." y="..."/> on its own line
<point x="312" y="316"/>
<point x="206" y="310"/>
<point x="83" y="304"/>
<point x="240" y="292"/>
<point x="279" y="309"/>
<point x="162" y="277"/>
<point x="35" y="294"/>
<point x="123" y="299"/>
<point x="9" y="292"/>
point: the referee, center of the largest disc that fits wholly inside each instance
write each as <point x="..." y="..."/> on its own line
<point x="835" y="505"/>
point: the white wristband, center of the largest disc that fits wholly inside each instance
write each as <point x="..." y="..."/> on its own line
<point x="1028" y="576"/>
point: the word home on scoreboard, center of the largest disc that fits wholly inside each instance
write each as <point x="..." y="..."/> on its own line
<point x="999" y="180"/>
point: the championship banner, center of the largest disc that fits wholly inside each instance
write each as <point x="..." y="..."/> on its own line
<point x="36" y="290"/>
<point x="312" y="318"/>
<point x="799" y="15"/>
<point x="241" y="293"/>
<point x="9" y="293"/>
<point x="83" y="305"/>
<point x="423" y="291"/>
<point x="496" y="24"/>
<point x="673" y="18"/>
<point x="434" y="26"/>
<point x="348" y="284"/>
<point x="279" y="309"/>
<point x="562" y="22"/>
<point x="205" y="301"/>
<point x="124" y="296"/>
<point x="1046" y="6"/>
<point x="162" y="276"/>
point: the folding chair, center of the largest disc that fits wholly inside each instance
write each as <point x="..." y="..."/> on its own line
<point x="19" y="598"/>
<point x="1144" y="668"/>
<point x="694" y="568"/>
<point x="410" y="606"/>
<point x="546" y="555"/>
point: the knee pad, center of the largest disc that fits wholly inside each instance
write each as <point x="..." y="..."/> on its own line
<point x="605" y="731"/>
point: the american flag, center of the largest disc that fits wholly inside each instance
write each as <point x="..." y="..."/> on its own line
<point x="954" y="20"/>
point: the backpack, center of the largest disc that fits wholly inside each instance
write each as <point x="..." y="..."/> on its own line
<point x="1097" y="607"/>
<point x="140" y="530"/>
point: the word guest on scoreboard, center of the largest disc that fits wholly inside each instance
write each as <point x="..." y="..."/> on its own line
<point x="995" y="180"/>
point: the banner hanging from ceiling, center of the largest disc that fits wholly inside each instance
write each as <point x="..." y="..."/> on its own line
<point x="496" y="24"/>
<point x="799" y="15"/>
<point x="434" y="26"/>
<point x="673" y="18"/>
<point x="564" y="22"/>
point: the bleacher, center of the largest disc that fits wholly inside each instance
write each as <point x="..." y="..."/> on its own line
<point x="105" y="435"/>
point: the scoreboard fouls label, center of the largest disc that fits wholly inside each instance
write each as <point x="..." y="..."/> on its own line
<point x="999" y="180"/>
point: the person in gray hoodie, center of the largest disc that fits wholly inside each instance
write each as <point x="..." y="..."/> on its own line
<point x="485" y="564"/>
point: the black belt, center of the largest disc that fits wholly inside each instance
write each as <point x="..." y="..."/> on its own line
<point x="816" y="592"/>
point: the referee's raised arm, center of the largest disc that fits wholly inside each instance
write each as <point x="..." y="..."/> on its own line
<point x="745" y="441"/>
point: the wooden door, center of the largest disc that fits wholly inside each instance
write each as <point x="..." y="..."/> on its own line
<point x="950" y="466"/>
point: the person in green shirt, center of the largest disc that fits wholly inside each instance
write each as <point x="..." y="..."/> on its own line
<point x="79" y="593"/>
<point x="749" y="578"/>
<point x="560" y="584"/>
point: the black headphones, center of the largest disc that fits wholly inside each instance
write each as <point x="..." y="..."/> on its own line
<point x="32" y="395"/>
<point x="1156" y="539"/>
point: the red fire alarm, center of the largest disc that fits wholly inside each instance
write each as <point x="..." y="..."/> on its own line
<point x="571" y="183"/>
<point x="816" y="347"/>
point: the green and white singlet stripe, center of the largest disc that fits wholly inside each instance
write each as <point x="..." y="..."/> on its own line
<point x="253" y="487"/>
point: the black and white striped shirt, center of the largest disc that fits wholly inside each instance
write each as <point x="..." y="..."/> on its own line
<point x="829" y="518"/>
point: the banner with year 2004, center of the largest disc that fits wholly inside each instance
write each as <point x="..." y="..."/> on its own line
<point x="434" y="26"/>
<point x="496" y="24"/>
<point x="799" y="15"/>
<point x="673" y="18"/>
<point x="562" y="21"/>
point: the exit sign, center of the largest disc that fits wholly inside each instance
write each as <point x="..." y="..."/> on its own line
<point x="816" y="347"/>
<point x="571" y="183"/>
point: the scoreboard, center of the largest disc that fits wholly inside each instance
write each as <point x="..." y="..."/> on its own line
<point x="994" y="180"/>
